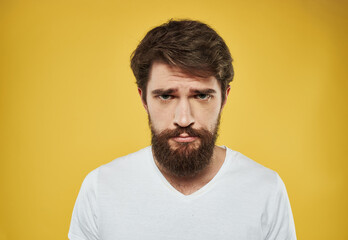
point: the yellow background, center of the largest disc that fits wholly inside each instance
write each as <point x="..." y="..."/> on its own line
<point x="69" y="101"/>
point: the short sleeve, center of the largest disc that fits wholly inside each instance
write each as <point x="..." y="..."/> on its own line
<point x="277" y="219"/>
<point x="83" y="224"/>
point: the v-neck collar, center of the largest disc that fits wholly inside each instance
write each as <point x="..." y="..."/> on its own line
<point x="206" y="188"/>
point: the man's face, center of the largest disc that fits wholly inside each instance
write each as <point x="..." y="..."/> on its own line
<point x="184" y="113"/>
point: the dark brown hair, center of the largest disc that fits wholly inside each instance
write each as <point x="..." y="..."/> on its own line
<point x="190" y="45"/>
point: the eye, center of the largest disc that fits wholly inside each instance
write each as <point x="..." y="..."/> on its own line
<point x="203" y="96"/>
<point x="165" y="97"/>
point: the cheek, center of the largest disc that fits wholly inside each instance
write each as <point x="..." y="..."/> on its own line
<point x="207" y="116"/>
<point x="160" y="117"/>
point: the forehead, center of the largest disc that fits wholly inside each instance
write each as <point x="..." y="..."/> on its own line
<point x="165" y="76"/>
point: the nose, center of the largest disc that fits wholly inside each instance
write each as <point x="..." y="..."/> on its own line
<point x="183" y="114"/>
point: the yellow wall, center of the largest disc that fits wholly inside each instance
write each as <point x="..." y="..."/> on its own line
<point x="69" y="102"/>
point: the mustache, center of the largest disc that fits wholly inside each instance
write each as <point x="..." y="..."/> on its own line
<point x="171" y="133"/>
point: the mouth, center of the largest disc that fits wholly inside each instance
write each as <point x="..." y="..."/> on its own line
<point x="184" y="138"/>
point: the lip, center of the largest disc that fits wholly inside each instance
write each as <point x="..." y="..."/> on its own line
<point x="184" y="139"/>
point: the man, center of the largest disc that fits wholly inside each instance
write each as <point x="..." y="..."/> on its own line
<point x="183" y="186"/>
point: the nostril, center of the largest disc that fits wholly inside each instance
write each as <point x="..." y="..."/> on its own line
<point x="184" y="126"/>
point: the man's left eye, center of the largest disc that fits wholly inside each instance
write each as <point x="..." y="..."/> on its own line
<point x="203" y="96"/>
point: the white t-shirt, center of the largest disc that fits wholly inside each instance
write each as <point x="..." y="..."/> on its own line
<point x="129" y="198"/>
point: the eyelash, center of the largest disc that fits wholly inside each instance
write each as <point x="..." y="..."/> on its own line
<point x="206" y="97"/>
<point x="161" y="97"/>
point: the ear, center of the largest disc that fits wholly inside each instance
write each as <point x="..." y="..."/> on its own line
<point x="227" y="92"/>
<point x="141" y="93"/>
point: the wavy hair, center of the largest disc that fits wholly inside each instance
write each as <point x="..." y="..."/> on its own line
<point x="192" y="46"/>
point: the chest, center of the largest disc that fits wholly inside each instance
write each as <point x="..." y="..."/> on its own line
<point x="163" y="216"/>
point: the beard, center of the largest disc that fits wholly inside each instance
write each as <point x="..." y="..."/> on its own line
<point x="184" y="159"/>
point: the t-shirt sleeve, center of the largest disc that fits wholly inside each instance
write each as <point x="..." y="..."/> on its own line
<point x="277" y="219"/>
<point x="84" y="221"/>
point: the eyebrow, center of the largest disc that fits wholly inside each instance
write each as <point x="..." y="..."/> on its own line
<point x="203" y="91"/>
<point x="162" y="91"/>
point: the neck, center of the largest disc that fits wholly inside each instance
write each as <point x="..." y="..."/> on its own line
<point x="190" y="184"/>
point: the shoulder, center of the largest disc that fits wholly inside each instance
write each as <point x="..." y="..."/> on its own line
<point x="127" y="162"/>
<point x="125" y="169"/>
<point x="250" y="172"/>
<point x="245" y="165"/>
<point x="121" y="166"/>
<point x="257" y="182"/>
<point x="89" y="184"/>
